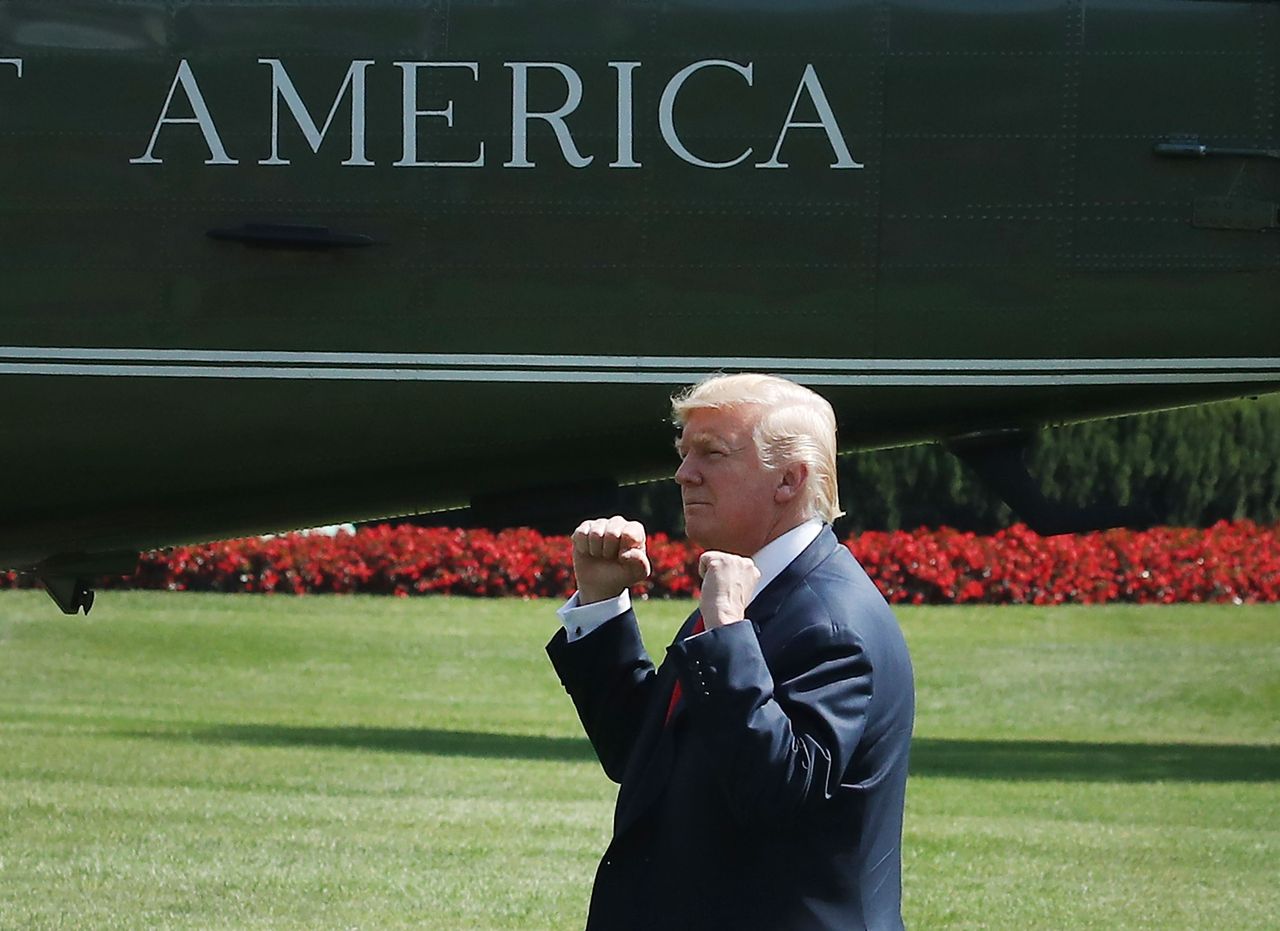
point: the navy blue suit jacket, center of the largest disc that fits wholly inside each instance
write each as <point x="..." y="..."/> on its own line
<point x="773" y="800"/>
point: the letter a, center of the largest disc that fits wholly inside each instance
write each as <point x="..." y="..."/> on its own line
<point x="826" y="121"/>
<point x="217" y="154"/>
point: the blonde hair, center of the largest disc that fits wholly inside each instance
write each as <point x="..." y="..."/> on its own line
<point x="795" y="425"/>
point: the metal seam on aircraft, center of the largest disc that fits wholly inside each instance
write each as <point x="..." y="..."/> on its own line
<point x="568" y="376"/>
<point x="625" y="364"/>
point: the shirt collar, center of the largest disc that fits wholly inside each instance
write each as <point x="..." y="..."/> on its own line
<point x="779" y="553"/>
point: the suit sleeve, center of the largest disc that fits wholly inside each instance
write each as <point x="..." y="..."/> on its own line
<point x="780" y="739"/>
<point x="610" y="677"/>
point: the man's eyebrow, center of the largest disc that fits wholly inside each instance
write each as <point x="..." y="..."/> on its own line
<point x="705" y="438"/>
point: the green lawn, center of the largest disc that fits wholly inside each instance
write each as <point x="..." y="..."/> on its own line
<point x="203" y="761"/>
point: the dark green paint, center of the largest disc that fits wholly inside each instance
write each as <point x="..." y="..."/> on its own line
<point x="1010" y="206"/>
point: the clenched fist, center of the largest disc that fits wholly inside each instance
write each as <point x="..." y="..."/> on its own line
<point x="727" y="584"/>
<point x="608" y="557"/>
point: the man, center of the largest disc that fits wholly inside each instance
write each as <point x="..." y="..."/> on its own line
<point x="763" y="766"/>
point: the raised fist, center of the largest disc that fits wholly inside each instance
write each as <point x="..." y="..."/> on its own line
<point x="608" y="557"/>
<point x="727" y="585"/>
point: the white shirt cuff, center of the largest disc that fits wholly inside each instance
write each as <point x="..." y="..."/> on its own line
<point x="580" y="620"/>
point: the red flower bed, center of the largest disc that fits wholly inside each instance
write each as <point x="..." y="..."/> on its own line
<point x="1229" y="562"/>
<point x="399" y="560"/>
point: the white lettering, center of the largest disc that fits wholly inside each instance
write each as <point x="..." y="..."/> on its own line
<point x="666" y="108"/>
<point x="826" y="121"/>
<point x="354" y="84"/>
<point x="217" y="154"/>
<point x="16" y="62"/>
<point x="411" y="113"/>
<point x="521" y="115"/>
<point x="282" y="87"/>
<point x="626" y="125"/>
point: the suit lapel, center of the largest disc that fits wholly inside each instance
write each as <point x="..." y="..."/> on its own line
<point x="766" y="604"/>
<point x="691" y="626"/>
<point x="650" y="766"/>
<point x="651" y="761"/>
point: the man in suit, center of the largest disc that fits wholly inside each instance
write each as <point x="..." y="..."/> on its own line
<point x="763" y="766"/>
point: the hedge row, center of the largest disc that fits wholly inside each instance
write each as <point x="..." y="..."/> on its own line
<point x="1229" y="562"/>
<point x="1187" y="468"/>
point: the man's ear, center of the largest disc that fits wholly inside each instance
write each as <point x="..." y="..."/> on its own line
<point x="791" y="483"/>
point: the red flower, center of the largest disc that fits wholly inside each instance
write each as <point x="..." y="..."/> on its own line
<point x="1228" y="562"/>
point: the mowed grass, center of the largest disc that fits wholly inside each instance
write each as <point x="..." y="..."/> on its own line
<point x="203" y="761"/>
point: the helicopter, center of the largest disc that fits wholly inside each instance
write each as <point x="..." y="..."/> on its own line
<point x="277" y="265"/>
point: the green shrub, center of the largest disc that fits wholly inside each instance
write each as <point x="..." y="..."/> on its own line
<point x="1189" y="467"/>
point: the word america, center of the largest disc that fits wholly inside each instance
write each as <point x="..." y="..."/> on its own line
<point x="185" y="84"/>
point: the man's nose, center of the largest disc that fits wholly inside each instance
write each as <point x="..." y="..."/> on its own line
<point x="686" y="474"/>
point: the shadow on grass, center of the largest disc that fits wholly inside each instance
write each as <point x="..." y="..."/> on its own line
<point x="1093" y="762"/>
<point x="930" y="756"/>
<point x="387" y="739"/>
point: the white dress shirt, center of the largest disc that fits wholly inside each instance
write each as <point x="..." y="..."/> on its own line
<point x="580" y="620"/>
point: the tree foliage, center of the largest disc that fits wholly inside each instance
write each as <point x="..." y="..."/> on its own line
<point x="1188" y="467"/>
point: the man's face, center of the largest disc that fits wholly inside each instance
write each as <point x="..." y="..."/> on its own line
<point x="728" y="493"/>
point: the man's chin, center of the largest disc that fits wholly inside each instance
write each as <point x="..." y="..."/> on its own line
<point x="695" y="528"/>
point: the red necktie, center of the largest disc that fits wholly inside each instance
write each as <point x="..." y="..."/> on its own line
<point x="698" y="628"/>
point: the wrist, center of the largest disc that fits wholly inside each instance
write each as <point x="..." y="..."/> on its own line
<point x="588" y="596"/>
<point x="720" y="620"/>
